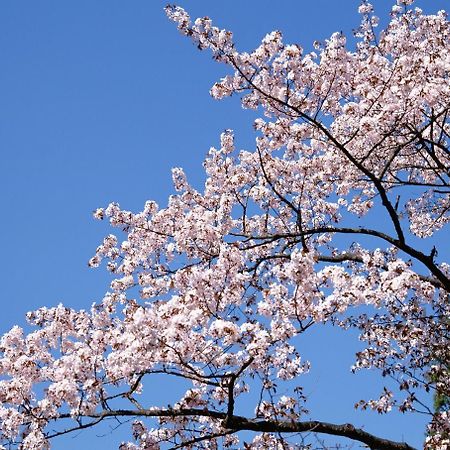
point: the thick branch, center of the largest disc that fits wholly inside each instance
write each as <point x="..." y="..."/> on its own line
<point x="239" y="423"/>
<point x="345" y="430"/>
<point x="427" y="260"/>
<point x="346" y="257"/>
<point x="319" y="125"/>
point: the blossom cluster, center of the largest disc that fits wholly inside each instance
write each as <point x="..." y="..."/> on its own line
<point x="217" y="287"/>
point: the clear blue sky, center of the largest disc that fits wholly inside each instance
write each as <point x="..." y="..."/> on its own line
<point x="98" y="100"/>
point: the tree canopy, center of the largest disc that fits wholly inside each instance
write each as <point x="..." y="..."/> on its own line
<point x="217" y="288"/>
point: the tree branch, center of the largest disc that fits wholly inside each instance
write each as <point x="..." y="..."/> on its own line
<point x="346" y="430"/>
<point x="426" y="260"/>
<point x="346" y="257"/>
<point x="319" y="125"/>
<point x="239" y="423"/>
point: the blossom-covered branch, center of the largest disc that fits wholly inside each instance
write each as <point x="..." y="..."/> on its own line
<point x="319" y="224"/>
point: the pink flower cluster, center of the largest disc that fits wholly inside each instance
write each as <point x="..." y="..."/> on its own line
<point x="216" y="287"/>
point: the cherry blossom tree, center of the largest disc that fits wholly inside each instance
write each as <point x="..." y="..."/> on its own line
<point x="217" y="288"/>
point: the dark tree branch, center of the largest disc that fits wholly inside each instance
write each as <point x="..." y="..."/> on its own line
<point x="427" y="260"/>
<point x="320" y="126"/>
<point x="352" y="257"/>
<point x="239" y="423"/>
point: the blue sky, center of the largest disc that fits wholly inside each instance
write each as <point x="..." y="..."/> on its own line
<point x="98" y="100"/>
